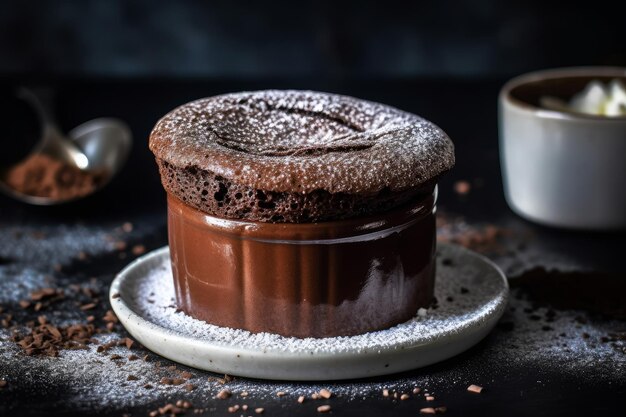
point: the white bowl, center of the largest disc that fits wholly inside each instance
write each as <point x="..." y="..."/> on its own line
<point x="559" y="168"/>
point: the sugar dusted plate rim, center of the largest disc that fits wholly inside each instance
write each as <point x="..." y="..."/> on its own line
<point x="444" y="332"/>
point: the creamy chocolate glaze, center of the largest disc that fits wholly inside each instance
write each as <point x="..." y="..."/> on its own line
<point x="296" y="156"/>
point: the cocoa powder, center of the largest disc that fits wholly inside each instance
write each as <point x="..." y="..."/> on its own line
<point x="43" y="176"/>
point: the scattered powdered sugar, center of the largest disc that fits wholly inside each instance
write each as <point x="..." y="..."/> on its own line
<point x="301" y="141"/>
<point x="531" y="349"/>
<point x="56" y="244"/>
<point x="467" y="311"/>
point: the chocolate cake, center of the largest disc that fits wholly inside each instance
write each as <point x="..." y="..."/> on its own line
<point x="296" y="156"/>
<point x="299" y="213"/>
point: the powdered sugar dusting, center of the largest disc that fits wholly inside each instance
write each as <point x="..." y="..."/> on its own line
<point x="300" y="141"/>
<point x="486" y="300"/>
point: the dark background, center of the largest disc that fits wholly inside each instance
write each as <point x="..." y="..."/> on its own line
<point x="235" y="39"/>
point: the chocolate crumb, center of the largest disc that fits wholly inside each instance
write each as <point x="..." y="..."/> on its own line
<point x="183" y="404"/>
<point x="170" y="409"/>
<point x="190" y="387"/>
<point x="88" y="306"/>
<point x="223" y="394"/>
<point x="476" y="389"/>
<point x="138" y="250"/>
<point x="326" y="394"/>
<point x="132" y="378"/>
<point x="129" y="342"/>
<point x="186" y="375"/>
<point x="3" y="383"/>
<point x="110" y="317"/>
<point x="133" y="357"/>
<point x="24" y="304"/>
<point x="116" y="295"/>
<point x="120" y="245"/>
<point x="462" y="187"/>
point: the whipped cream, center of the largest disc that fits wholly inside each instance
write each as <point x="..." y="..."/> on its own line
<point x="597" y="98"/>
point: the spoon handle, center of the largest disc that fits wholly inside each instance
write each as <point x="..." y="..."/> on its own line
<point x="41" y="100"/>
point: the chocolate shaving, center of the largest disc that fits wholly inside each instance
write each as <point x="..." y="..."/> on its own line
<point x="223" y="394"/>
<point x="476" y="389"/>
<point x="324" y="393"/>
<point x="139" y="250"/>
<point x="128" y="342"/>
<point x="46" y="339"/>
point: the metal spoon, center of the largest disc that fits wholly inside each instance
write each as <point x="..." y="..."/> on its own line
<point x="100" y="144"/>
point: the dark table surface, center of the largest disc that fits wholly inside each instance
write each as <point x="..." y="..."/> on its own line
<point x="558" y="350"/>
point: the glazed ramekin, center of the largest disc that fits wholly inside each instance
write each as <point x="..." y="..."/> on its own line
<point x="304" y="280"/>
<point x="562" y="169"/>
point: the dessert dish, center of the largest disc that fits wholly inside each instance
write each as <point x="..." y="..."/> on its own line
<point x="300" y="213"/>
<point x="472" y="294"/>
<point x="562" y="145"/>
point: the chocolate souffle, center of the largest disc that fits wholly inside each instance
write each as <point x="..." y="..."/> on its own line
<point x="300" y="213"/>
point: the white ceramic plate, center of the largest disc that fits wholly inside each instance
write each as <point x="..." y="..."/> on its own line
<point x="472" y="293"/>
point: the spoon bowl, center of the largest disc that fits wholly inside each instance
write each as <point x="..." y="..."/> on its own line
<point x="106" y="143"/>
<point x="100" y="144"/>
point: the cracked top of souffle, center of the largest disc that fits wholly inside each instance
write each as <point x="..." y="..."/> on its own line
<point x="302" y="141"/>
